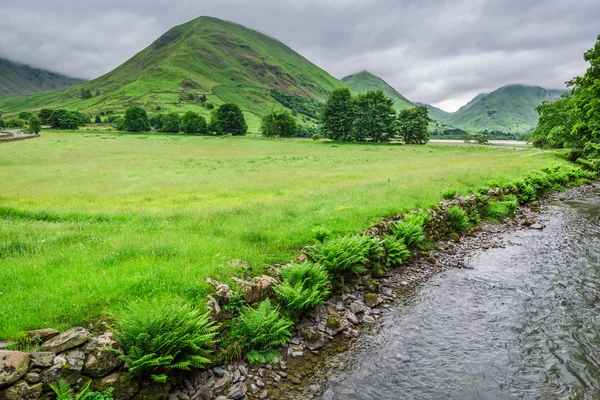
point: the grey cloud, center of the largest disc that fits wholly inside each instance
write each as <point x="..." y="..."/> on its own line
<point x="441" y="52"/>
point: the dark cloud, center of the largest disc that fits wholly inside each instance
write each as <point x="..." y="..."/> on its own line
<point x="442" y="52"/>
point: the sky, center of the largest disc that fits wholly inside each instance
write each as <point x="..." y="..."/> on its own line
<point x="441" y="52"/>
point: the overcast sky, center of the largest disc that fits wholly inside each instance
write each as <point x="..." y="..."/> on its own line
<point x="442" y="52"/>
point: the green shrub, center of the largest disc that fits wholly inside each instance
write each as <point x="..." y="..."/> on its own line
<point x="449" y="193"/>
<point x="457" y="219"/>
<point x="410" y="232"/>
<point x="64" y="392"/>
<point x="316" y="137"/>
<point x="259" y="331"/>
<point x="322" y="233"/>
<point x="526" y="193"/>
<point x="373" y="248"/>
<point x="418" y="217"/>
<point x="340" y="254"/>
<point x="474" y="217"/>
<point x="304" y="286"/>
<point x="396" y="251"/>
<point x="499" y="210"/>
<point x="589" y="165"/>
<point x="160" y="336"/>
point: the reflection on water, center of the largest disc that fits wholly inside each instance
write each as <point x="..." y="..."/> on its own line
<point x="523" y="324"/>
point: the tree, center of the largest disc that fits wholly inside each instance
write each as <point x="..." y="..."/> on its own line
<point x="97" y="93"/>
<point x="156" y="121"/>
<point x="98" y="119"/>
<point x="25" y="115"/>
<point x="413" y="124"/>
<point x="555" y="124"/>
<point x="1" y="123"/>
<point x="35" y="126"/>
<point x="63" y="119"/>
<point x="374" y="117"/>
<point x="337" y="119"/>
<point x="45" y="115"/>
<point x="229" y="119"/>
<point x="192" y="122"/>
<point x="171" y="123"/>
<point x="279" y="123"/>
<point x="85" y="94"/>
<point x="136" y="120"/>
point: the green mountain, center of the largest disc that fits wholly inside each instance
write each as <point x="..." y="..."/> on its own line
<point x="510" y="109"/>
<point x="365" y="81"/>
<point x="18" y="79"/>
<point x="202" y="63"/>
<point x="434" y="112"/>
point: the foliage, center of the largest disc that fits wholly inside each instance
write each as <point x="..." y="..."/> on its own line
<point x="396" y="252"/>
<point x="413" y="125"/>
<point x="236" y="302"/>
<point x="374" y="117"/>
<point x="340" y="254"/>
<point x="322" y="233"/>
<point x="316" y="137"/>
<point x="14" y="123"/>
<point x="98" y="120"/>
<point x="474" y="217"/>
<point x="136" y="120"/>
<point x="500" y="210"/>
<point x="35" y="126"/>
<point x="171" y="123"/>
<point x="364" y="81"/>
<point x="304" y="286"/>
<point x="337" y="120"/>
<point x="64" y="392"/>
<point x="301" y="104"/>
<point x="279" y="124"/>
<point x="410" y="232"/>
<point x="306" y="131"/>
<point x="192" y="122"/>
<point x="449" y="193"/>
<point x="228" y="118"/>
<point x="85" y="94"/>
<point x="63" y="119"/>
<point x="259" y="331"/>
<point x="457" y="219"/>
<point x="159" y="336"/>
<point x="25" y="115"/>
<point x="1" y="123"/>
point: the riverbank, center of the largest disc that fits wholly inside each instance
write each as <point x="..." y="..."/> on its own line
<point x="317" y="351"/>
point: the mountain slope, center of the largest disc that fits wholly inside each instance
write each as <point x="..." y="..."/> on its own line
<point x="18" y="79"/>
<point x="365" y="81"/>
<point x="205" y="58"/>
<point x="509" y="109"/>
<point x="434" y="112"/>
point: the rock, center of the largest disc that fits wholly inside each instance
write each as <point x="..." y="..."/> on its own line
<point x="42" y="335"/>
<point x="172" y="397"/>
<point x="357" y="307"/>
<point x="102" y="359"/>
<point x="33" y="377"/>
<point x="72" y="360"/>
<point x="311" y="335"/>
<point x="237" y="391"/>
<point x="371" y="300"/>
<point x="43" y="359"/>
<point x="222" y="291"/>
<point x="220" y="372"/>
<point x="295" y="340"/>
<point x="212" y="305"/>
<point x="66" y="340"/>
<point x="4" y="344"/>
<point x="156" y="391"/>
<point x="367" y="319"/>
<point x="260" y="383"/>
<point x="54" y="374"/>
<point x="538" y="227"/>
<point x="314" y="388"/>
<point x="258" y="288"/>
<point x="221" y="384"/>
<point x="312" y="346"/>
<point x="13" y="365"/>
<point x="22" y="391"/>
<point x="125" y="385"/>
<point x="352" y="318"/>
<point x="297" y="354"/>
<point x="263" y="394"/>
<point x="333" y="325"/>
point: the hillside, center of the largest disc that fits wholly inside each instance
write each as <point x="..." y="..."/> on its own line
<point x="510" y="109"/>
<point x="434" y="112"/>
<point x="202" y="63"/>
<point x="18" y="79"/>
<point x="365" y="81"/>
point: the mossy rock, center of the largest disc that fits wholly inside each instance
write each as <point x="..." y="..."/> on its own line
<point x="333" y="322"/>
<point x="454" y="236"/>
<point x="371" y="300"/>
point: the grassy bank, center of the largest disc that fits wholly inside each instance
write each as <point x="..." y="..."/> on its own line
<point x="89" y="221"/>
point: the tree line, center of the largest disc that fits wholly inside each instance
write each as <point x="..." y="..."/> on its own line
<point x="573" y="120"/>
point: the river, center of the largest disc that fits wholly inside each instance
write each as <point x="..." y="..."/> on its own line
<point x="524" y="323"/>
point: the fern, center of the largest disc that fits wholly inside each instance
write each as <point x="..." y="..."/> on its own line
<point x="457" y="219"/>
<point x="410" y="232"/>
<point x="372" y="248"/>
<point x="304" y="286"/>
<point x="474" y="217"/>
<point x="159" y="337"/>
<point x="64" y="392"/>
<point x="449" y="193"/>
<point x="396" y="251"/>
<point x="340" y="254"/>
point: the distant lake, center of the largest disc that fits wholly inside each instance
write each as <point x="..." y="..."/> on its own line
<point x="504" y="142"/>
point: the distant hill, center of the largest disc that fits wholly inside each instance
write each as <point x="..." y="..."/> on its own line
<point x="365" y="81"/>
<point x="434" y="112"/>
<point x="202" y="63"/>
<point x="18" y="79"/>
<point x="510" y="109"/>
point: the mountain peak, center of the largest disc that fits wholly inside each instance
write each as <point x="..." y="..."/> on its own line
<point x="365" y="81"/>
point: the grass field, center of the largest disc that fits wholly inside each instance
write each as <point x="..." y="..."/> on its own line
<point x="89" y="221"/>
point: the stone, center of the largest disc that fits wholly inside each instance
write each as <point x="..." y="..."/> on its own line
<point x="156" y="391"/>
<point x="54" y="374"/>
<point x="221" y="384"/>
<point x="367" y="319"/>
<point x="357" y="307"/>
<point x="66" y="340"/>
<point x="297" y="354"/>
<point x="222" y="293"/>
<point x="260" y="383"/>
<point x="43" y="359"/>
<point x="13" y="365"/>
<point x="4" y="344"/>
<point x="311" y="335"/>
<point x="102" y="357"/>
<point x="352" y="318"/>
<point x="258" y="288"/>
<point x="214" y="309"/>
<point x="263" y="394"/>
<point x="220" y="372"/>
<point x="538" y="227"/>
<point x="371" y="300"/>
<point x="33" y="377"/>
<point x="72" y="360"/>
<point x="333" y="325"/>
<point x="125" y="385"/>
<point x="42" y="335"/>
<point x="22" y="391"/>
<point x="183" y="396"/>
<point x="314" y="388"/>
<point x="172" y="397"/>
<point x="312" y="346"/>
<point x="237" y="391"/>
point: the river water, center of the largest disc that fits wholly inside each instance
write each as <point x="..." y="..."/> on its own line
<point x="524" y="323"/>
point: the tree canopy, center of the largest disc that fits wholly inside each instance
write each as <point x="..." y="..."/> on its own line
<point x="171" y="123"/>
<point x="35" y="126"/>
<point x="228" y="118"/>
<point x="337" y="120"/>
<point x="192" y="122"/>
<point x="374" y="117"/>
<point x="413" y="124"/>
<point x="136" y="120"/>
<point x="279" y="124"/>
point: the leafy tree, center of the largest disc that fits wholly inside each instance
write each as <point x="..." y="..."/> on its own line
<point x="15" y="123"/>
<point x="337" y="120"/>
<point x="45" y="115"/>
<point x="192" y="122"/>
<point x="85" y="94"/>
<point x="279" y="123"/>
<point x="136" y="120"/>
<point x="35" y="126"/>
<point x="63" y="119"/>
<point x="229" y="119"/>
<point x="1" y="123"/>
<point x="555" y="125"/>
<point x="171" y="123"/>
<point x="156" y="121"/>
<point x="413" y="125"/>
<point x="202" y="98"/>
<point x="25" y="115"/>
<point x="374" y="117"/>
<point x="98" y="119"/>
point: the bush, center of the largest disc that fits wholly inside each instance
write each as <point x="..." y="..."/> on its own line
<point x="35" y="126"/>
<point x="589" y="165"/>
<point x="304" y="286"/>
<point x="98" y="120"/>
<point x="279" y="124"/>
<point x="136" y="120"/>
<point x="171" y="123"/>
<point x="14" y="123"/>
<point x="396" y="251"/>
<point x="340" y="254"/>
<point x="500" y="210"/>
<point x="259" y="331"/>
<point x="372" y="248"/>
<point x="45" y="115"/>
<point x="192" y="122"/>
<point x="229" y="118"/>
<point x="316" y="137"/>
<point x="457" y="219"/>
<point x="526" y="193"/>
<point x="63" y="119"/>
<point x="158" y="336"/>
<point x="410" y="232"/>
<point x="474" y="218"/>
<point x="449" y="193"/>
<point x="25" y="115"/>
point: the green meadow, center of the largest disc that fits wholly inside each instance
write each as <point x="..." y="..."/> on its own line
<point x="92" y="220"/>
